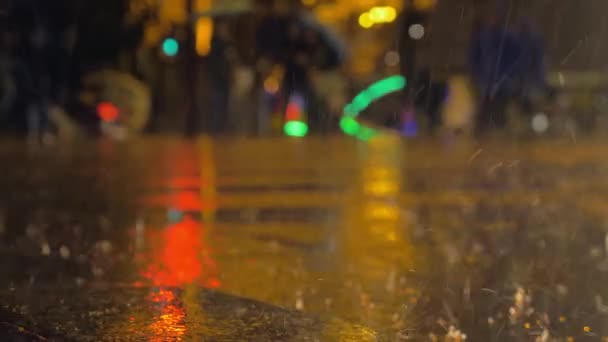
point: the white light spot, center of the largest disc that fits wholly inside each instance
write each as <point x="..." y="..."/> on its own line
<point x="45" y="249"/>
<point x="416" y="31"/>
<point x="64" y="252"/>
<point x="104" y="246"/>
<point x="97" y="271"/>
<point x="391" y="58"/>
<point x="540" y="123"/>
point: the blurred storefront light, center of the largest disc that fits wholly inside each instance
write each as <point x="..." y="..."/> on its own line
<point x="203" y="28"/>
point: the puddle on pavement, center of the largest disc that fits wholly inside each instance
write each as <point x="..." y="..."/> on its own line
<point x="410" y="241"/>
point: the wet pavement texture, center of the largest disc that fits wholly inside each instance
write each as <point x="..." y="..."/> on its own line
<point x="318" y="239"/>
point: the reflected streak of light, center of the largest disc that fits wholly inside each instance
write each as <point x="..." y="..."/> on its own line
<point x="385" y="231"/>
<point x="381" y="212"/>
<point x="378" y="172"/>
<point x="162" y="296"/>
<point x="181" y="200"/>
<point x="207" y="171"/>
<point x="179" y="257"/>
<point x="184" y="182"/>
<point x="183" y="258"/>
<point x="381" y="188"/>
<point x="169" y="323"/>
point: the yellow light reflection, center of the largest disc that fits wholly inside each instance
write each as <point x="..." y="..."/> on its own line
<point x="381" y="188"/>
<point x="378" y="172"/>
<point x="169" y="323"/>
<point x="378" y="211"/>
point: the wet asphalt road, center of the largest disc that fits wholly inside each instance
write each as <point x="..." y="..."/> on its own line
<point x="324" y="239"/>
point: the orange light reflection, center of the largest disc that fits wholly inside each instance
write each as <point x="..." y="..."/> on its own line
<point x="182" y="257"/>
<point x="170" y="322"/>
<point x="183" y="200"/>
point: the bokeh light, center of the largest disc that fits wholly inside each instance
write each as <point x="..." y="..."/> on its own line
<point x="349" y="125"/>
<point x="107" y="111"/>
<point x="391" y="58"/>
<point x="374" y="92"/>
<point x="383" y="14"/>
<point x="271" y="85"/>
<point x="365" y="21"/>
<point x="170" y="47"/>
<point x="540" y="123"/>
<point x="416" y="31"/>
<point x="295" y="129"/>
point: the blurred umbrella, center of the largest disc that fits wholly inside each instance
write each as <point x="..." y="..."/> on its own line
<point x="330" y="43"/>
<point x="131" y="96"/>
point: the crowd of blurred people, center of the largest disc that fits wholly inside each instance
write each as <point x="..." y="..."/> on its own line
<point x="48" y="48"/>
<point x="506" y="69"/>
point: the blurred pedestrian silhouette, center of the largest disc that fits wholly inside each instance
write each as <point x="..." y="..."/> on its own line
<point x="494" y="56"/>
<point x="531" y="83"/>
<point x="507" y="67"/>
<point x="220" y="65"/>
<point x="430" y="94"/>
